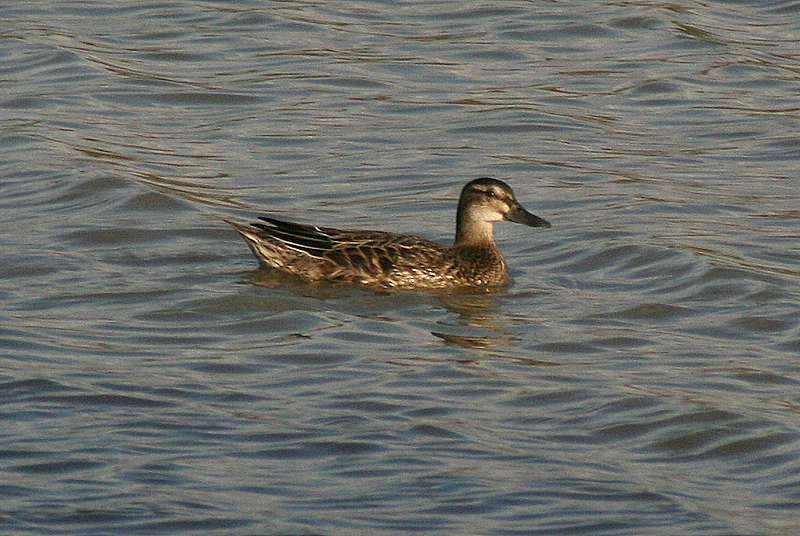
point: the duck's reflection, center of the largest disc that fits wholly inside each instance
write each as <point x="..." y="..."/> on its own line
<point x="478" y="322"/>
<point x="482" y="324"/>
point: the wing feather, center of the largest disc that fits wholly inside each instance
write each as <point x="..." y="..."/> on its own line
<point x="303" y="238"/>
<point x="369" y="252"/>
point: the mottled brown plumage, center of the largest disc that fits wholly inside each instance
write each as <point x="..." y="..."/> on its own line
<point x="388" y="260"/>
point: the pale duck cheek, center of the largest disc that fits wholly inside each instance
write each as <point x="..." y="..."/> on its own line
<point x="488" y="215"/>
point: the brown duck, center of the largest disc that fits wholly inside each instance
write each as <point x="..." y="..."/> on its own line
<point x="387" y="260"/>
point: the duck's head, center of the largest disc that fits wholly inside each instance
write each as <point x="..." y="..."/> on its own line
<point x="485" y="201"/>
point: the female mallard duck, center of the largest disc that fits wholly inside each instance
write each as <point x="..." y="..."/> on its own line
<point x="388" y="260"/>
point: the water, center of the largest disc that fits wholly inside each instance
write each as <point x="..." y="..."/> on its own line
<point x="641" y="375"/>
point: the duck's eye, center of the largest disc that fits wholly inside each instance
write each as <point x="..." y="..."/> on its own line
<point x="490" y="193"/>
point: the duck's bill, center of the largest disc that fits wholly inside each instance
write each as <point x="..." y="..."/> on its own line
<point x="518" y="214"/>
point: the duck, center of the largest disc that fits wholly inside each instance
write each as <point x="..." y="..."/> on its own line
<point x="394" y="261"/>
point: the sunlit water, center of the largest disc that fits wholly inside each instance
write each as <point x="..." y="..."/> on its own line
<point x="640" y="376"/>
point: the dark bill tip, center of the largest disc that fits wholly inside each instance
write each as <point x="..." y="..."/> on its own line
<point x="518" y="214"/>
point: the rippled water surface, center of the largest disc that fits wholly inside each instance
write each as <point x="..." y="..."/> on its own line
<point x="640" y="376"/>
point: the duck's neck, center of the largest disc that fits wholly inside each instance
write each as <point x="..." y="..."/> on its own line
<point x="472" y="232"/>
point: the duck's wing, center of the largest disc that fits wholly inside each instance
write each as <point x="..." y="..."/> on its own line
<point x="317" y="241"/>
<point x="366" y="257"/>
<point x="309" y="239"/>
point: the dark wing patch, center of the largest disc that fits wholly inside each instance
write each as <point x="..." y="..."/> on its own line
<point x="365" y="252"/>
<point x="386" y="264"/>
<point x="304" y="238"/>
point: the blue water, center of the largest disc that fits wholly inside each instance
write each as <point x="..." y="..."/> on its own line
<point x="640" y="376"/>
